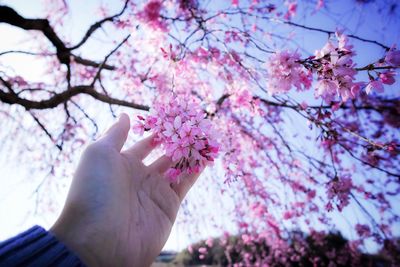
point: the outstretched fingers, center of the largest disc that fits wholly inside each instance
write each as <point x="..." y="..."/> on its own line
<point x="117" y="134"/>
<point x="186" y="182"/>
<point x="143" y="148"/>
<point x="161" y="165"/>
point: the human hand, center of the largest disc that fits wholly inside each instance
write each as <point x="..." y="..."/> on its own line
<point x="120" y="212"/>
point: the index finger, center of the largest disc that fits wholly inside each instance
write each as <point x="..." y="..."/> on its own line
<point x="186" y="182"/>
<point x="142" y="148"/>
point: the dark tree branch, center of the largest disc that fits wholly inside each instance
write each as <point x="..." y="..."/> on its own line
<point x="97" y="76"/>
<point x="106" y="93"/>
<point x="96" y="127"/>
<point x="378" y="108"/>
<point x="41" y="125"/>
<point x="90" y="63"/>
<point x="332" y="32"/>
<point x="26" y="53"/>
<point x="78" y="59"/>
<point x="59" y="98"/>
<point x="97" y="25"/>
<point x="287" y="22"/>
<point x="10" y="16"/>
<point x="369" y="164"/>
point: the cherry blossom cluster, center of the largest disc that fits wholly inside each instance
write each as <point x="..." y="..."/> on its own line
<point x="390" y="62"/>
<point x="284" y="71"/>
<point x="180" y="125"/>
<point x="292" y="9"/>
<point x="335" y="70"/>
<point x="151" y="15"/>
<point x="339" y="189"/>
<point x="363" y="230"/>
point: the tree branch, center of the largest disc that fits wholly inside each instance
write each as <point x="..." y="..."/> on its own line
<point x="101" y="66"/>
<point x="60" y="98"/>
<point x="87" y="62"/>
<point x="332" y="32"/>
<point x="41" y="125"/>
<point x="287" y="22"/>
<point x="10" y="16"/>
<point x="97" y="25"/>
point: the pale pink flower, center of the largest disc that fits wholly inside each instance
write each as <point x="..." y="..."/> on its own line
<point x="292" y="9"/>
<point x="287" y="215"/>
<point x="209" y="242"/>
<point x="335" y="70"/>
<point x="374" y="86"/>
<point x="151" y="14"/>
<point x="327" y="89"/>
<point x="387" y="77"/>
<point x="285" y="71"/>
<point x="179" y="124"/>
<point x="363" y="230"/>
<point x="202" y="250"/>
<point x="246" y="238"/>
<point x="303" y="105"/>
<point x="339" y="190"/>
<point x="392" y="57"/>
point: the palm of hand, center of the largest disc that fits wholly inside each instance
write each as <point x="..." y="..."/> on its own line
<point x="120" y="212"/>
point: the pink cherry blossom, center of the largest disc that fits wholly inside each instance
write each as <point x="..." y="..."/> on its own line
<point x="327" y="89"/>
<point x="210" y="242"/>
<point x="374" y="86"/>
<point x="335" y="70"/>
<point x="363" y="230"/>
<point x="339" y="190"/>
<point x="292" y="9"/>
<point x="387" y="77"/>
<point x="392" y="57"/>
<point x="151" y="14"/>
<point x="180" y="125"/>
<point x="202" y="250"/>
<point x="285" y="71"/>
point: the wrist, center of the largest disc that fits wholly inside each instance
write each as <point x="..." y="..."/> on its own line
<point x="77" y="240"/>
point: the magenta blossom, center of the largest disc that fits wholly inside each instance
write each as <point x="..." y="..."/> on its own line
<point x="374" y="86"/>
<point x="285" y="71"/>
<point x="387" y="77"/>
<point x="151" y="14"/>
<point x="336" y="70"/>
<point x="188" y="137"/>
<point x="339" y="189"/>
<point x="392" y="57"/>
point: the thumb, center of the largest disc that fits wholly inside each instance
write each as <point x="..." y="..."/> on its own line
<point x="117" y="134"/>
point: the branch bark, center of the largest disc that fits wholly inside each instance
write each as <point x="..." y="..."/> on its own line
<point x="97" y="25"/>
<point x="10" y="16"/>
<point x="63" y="97"/>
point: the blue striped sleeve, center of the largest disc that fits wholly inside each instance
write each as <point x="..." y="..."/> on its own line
<point x="36" y="247"/>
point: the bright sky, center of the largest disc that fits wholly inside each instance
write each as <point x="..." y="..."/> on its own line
<point x="17" y="186"/>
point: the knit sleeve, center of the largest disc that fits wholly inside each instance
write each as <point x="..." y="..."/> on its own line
<point x="36" y="247"/>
